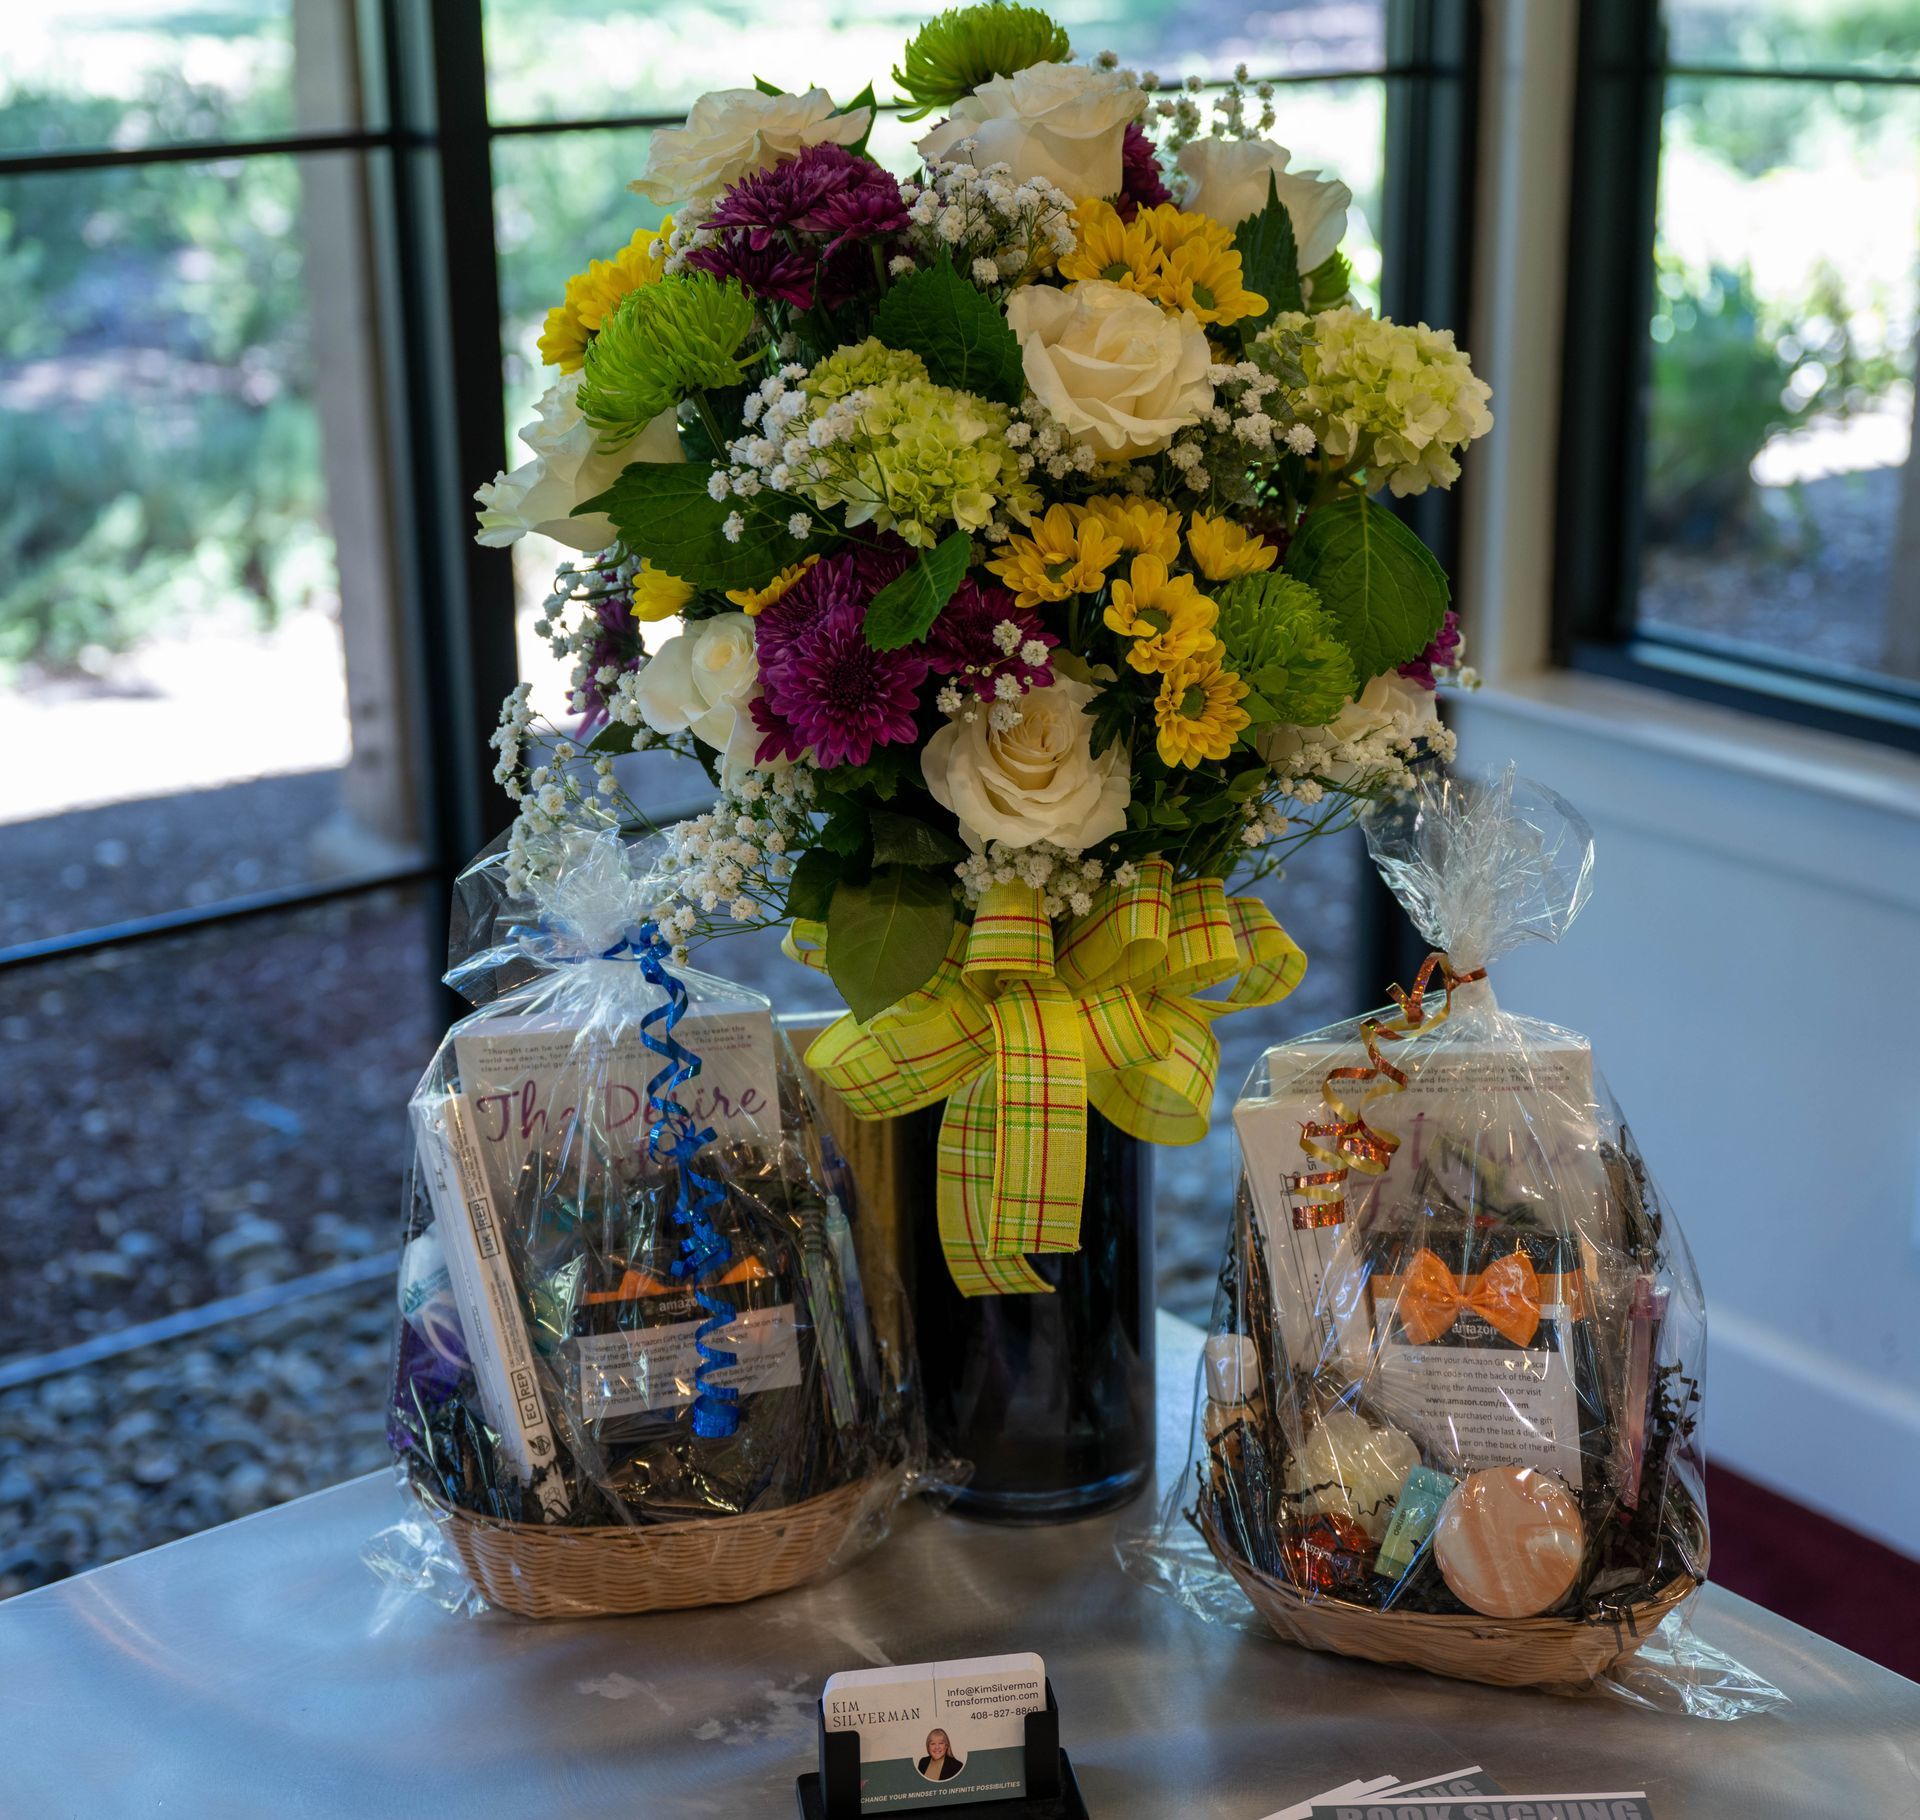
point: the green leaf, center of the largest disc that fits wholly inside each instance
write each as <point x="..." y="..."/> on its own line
<point x="663" y="512"/>
<point x="1114" y="712"/>
<point x="881" y="775"/>
<point x="865" y="99"/>
<point x="958" y="331"/>
<point x="886" y="937"/>
<point x="1249" y="784"/>
<point x="1329" y="284"/>
<point x="615" y="736"/>
<point x="902" y="611"/>
<point x="810" y="890"/>
<point x="905" y="840"/>
<point x="844" y="831"/>
<point x="1269" y="262"/>
<point x="766" y="87"/>
<point x="1385" y="589"/>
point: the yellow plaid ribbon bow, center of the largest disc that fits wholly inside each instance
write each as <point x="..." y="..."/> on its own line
<point x="1019" y="1034"/>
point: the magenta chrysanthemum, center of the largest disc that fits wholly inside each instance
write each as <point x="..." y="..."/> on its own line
<point x="1141" y="185"/>
<point x="843" y="583"/>
<point x="823" y="685"/>
<point x="1441" y="654"/>
<point x="785" y="195"/>
<point x="827" y="195"/>
<point x="842" y="697"/>
<point x="763" y="271"/>
<point x="963" y="643"/>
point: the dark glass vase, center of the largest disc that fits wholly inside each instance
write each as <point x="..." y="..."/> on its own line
<point x="1049" y="1396"/>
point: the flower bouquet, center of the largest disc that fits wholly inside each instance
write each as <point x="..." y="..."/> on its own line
<point x="1023" y="520"/>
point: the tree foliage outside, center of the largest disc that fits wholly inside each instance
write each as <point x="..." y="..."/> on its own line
<point x="156" y="391"/>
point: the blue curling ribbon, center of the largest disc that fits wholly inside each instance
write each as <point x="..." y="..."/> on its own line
<point x="703" y="1251"/>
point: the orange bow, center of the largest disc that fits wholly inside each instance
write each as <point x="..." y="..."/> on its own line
<point x="1505" y="1295"/>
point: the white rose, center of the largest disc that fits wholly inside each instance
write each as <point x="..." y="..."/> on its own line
<point x="733" y="132"/>
<point x="1391" y="703"/>
<point x="1229" y="179"/>
<point x="1053" y="120"/>
<point x="1038" y="780"/>
<point x="1112" y="366"/>
<point x="568" y="466"/>
<point x="703" y="681"/>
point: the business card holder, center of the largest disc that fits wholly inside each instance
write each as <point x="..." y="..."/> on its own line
<point x="832" y="1792"/>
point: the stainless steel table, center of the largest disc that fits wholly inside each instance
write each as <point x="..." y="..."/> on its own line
<point x="259" y="1670"/>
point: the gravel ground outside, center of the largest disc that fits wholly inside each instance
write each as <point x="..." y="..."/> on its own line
<point x="223" y="1111"/>
<point x="1826" y="600"/>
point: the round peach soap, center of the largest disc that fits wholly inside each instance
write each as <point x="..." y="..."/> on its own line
<point x="1509" y="1542"/>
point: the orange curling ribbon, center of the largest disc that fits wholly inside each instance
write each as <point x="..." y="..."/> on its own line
<point x="1505" y="1295"/>
<point x="1346" y="1141"/>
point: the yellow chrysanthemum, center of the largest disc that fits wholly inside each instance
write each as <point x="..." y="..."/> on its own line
<point x="1169" y="620"/>
<point x="1223" y="551"/>
<point x="1123" y="253"/>
<point x="752" y="601"/>
<point x="592" y="293"/>
<point x="658" y="595"/>
<point x="1173" y="228"/>
<point x="1061" y="557"/>
<point x="1205" y="280"/>
<point x="1144" y="527"/>
<point x="1198" y="710"/>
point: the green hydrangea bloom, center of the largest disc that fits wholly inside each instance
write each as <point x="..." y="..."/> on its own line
<point x="907" y="455"/>
<point x="865" y="363"/>
<point x="1397" y="400"/>
<point x="665" y="342"/>
<point x="953" y="54"/>
<point x="1286" y="645"/>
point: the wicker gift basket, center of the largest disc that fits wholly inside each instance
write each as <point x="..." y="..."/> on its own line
<point x="1505" y="1652"/>
<point x="536" y="1570"/>
<point x="635" y="1368"/>
<point x="1448" y="1410"/>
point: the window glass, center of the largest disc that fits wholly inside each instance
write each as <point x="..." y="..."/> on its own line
<point x="560" y="200"/>
<point x="582" y="59"/>
<point x="143" y="1447"/>
<point x="1782" y="507"/>
<point x="199" y="1115"/>
<point x="85" y="74"/>
<point x="1866" y="35"/>
<point x="195" y="607"/>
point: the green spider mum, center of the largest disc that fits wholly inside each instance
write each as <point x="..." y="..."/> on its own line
<point x="665" y="342"/>
<point x="1286" y="645"/>
<point x="952" y="55"/>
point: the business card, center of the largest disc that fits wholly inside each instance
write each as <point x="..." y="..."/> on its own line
<point x="939" y="1732"/>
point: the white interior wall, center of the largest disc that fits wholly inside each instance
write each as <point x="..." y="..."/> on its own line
<point x="1749" y="968"/>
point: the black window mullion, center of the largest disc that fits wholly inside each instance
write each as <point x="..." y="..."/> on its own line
<point x="1426" y="234"/>
<point x="1426" y="264"/>
<point x="1609" y="300"/>
<point x="452" y="421"/>
<point x="188" y="151"/>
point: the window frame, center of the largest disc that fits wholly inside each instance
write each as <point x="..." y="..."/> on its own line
<point x="426" y="137"/>
<point x="1620" y="80"/>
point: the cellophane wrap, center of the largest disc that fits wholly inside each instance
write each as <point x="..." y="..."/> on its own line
<point x="1456" y="1359"/>
<point x="629" y="1292"/>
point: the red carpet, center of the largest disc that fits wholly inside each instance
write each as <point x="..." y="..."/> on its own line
<point x="1806" y="1567"/>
